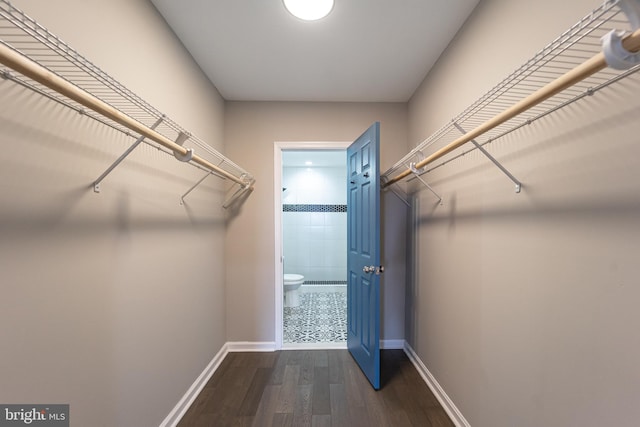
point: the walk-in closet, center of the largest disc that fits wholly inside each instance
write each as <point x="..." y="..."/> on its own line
<point x="157" y="186"/>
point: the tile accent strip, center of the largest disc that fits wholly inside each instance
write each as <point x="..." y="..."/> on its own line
<point x="314" y="208"/>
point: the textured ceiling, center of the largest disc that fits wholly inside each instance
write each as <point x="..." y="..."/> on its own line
<point x="364" y="51"/>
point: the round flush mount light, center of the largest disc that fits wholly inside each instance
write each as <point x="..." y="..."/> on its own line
<point x="309" y="10"/>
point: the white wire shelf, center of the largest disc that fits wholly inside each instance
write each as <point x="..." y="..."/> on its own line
<point x="575" y="46"/>
<point x="24" y="35"/>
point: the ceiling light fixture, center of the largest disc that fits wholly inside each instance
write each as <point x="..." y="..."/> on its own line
<point x="309" y="10"/>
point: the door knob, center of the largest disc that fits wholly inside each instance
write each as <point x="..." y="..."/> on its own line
<point x="373" y="269"/>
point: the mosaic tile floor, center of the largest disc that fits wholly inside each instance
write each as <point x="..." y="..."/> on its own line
<point x="321" y="317"/>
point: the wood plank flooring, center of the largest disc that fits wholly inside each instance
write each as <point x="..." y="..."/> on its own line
<point x="314" y="388"/>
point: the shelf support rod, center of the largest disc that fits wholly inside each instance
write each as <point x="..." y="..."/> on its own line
<point x="402" y="198"/>
<point x="517" y="183"/>
<point x="416" y="173"/>
<point x="96" y="183"/>
<point x="235" y="196"/>
<point x="193" y="187"/>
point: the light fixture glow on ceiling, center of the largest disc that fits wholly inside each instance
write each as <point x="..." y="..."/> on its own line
<point x="308" y="163"/>
<point x="309" y="10"/>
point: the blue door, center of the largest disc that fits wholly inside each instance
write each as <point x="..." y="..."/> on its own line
<point x="363" y="259"/>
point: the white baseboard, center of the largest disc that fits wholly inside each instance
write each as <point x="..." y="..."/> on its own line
<point x="183" y="405"/>
<point x="187" y="400"/>
<point x="447" y="404"/>
<point x="315" y="346"/>
<point x="237" y="346"/>
<point x="384" y="345"/>
<point x="392" y="344"/>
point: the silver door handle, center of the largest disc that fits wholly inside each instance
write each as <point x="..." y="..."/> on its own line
<point x="373" y="269"/>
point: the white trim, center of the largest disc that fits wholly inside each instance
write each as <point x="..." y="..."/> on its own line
<point x="384" y="345"/>
<point x="187" y="400"/>
<point x="392" y="344"/>
<point x="315" y="346"/>
<point x="323" y="288"/>
<point x="277" y="238"/>
<point x="278" y="147"/>
<point x="238" y="346"/>
<point x="447" y="404"/>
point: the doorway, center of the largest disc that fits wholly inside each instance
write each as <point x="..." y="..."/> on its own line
<point x="310" y="236"/>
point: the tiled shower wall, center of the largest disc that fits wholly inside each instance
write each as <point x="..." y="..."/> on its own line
<point x="314" y="221"/>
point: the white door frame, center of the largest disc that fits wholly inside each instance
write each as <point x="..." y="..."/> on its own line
<point x="278" y="148"/>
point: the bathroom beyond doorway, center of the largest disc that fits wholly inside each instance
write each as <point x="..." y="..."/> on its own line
<point x="311" y="234"/>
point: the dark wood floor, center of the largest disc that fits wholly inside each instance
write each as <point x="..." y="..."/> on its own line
<point x="313" y="388"/>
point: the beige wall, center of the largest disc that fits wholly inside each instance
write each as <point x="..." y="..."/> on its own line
<point x="524" y="306"/>
<point x="251" y="128"/>
<point x="111" y="302"/>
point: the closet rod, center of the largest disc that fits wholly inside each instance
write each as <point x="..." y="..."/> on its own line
<point x="28" y="68"/>
<point x="591" y="66"/>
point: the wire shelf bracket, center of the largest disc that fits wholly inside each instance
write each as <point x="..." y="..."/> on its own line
<point x="416" y="172"/>
<point x="96" y="183"/>
<point x="193" y="187"/>
<point x="241" y="191"/>
<point x="518" y="184"/>
<point x="402" y="197"/>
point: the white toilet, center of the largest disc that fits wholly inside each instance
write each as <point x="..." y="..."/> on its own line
<point x="292" y="283"/>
